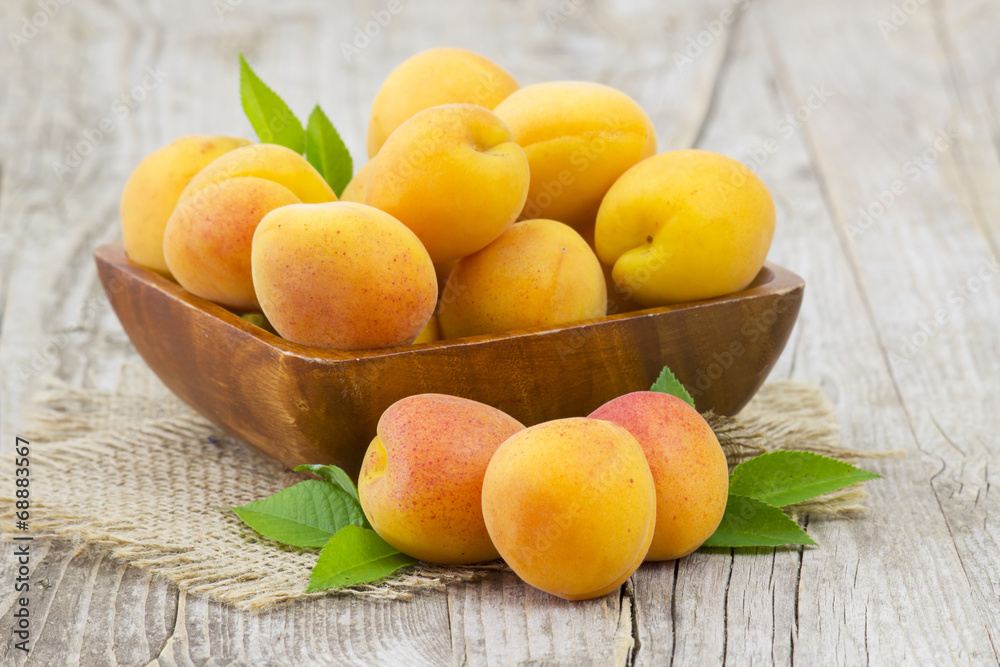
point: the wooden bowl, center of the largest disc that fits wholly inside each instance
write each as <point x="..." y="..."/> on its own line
<point x="301" y="404"/>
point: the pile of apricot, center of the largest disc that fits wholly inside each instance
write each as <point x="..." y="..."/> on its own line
<point x="573" y="506"/>
<point x="525" y="206"/>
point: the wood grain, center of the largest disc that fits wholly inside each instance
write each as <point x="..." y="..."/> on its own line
<point x="914" y="582"/>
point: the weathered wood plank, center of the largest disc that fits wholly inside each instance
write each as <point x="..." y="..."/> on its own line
<point x="863" y="594"/>
<point x="888" y="104"/>
<point x="500" y="620"/>
<point x="87" y="608"/>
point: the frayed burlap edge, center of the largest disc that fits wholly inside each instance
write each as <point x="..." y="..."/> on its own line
<point x="89" y="430"/>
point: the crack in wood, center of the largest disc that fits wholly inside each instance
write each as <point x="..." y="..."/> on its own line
<point x="673" y="615"/>
<point x="725" y="606"/>
<point x="627" y="597"/>
<point x="173" y="627"/>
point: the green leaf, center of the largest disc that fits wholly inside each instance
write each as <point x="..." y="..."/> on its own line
<point x="355" y="556"/>
<point x="787" y="477"/>
<point x="332" y="474"/>
<point x="669" y="384"/>
<point x="326" y="151"/>
<point x="748" y="522"/>
<point x="271" y="118"/>
<point x="304" y="515"/>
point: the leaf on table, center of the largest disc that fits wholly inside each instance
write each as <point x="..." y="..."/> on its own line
<point x="784" y="478"/>
<point x="270" y="117"/>
<point x="332" y="474"/>
<point x="306" y="514"/>
<point x="668" y="383"/>
<point x="326" y="151"/>
<point x="355" y="556"/>
<point x="749" y="522"/>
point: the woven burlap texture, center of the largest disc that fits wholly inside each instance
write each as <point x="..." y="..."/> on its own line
<point x="143" y="475"/>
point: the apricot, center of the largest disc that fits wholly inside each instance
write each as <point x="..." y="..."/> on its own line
<point x="570" y="505"/>
<point x="207" y="241"/>
<point x="688" y="465"/>
<point x="579" y="138"/>
<point x="538" y="273"/>
<point x="421" y="479"/>
<point x="453" y="175"/>
<point x="152" y="190"/>
<point x="268" y="161"/>
<point x="431" y="78"/>
<point x="685" y="225"/>
<point x="357" y="189"/>
<point x="342" y="275"/>
<point x="429" y="333"/>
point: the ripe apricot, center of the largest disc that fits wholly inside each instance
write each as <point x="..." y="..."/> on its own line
<point x="422" y="477"/>
<point x="688" y="465"/>
<point x="152" y="190"/>
<point x="570" y="505"/>
<point x="342" y="275"/>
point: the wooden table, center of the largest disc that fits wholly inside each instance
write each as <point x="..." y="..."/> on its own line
<point x="877" y="126"/>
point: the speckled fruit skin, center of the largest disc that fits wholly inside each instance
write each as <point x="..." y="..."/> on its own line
<point x="538" y="273"/>
<point x="207" y="241"/>
<point x="422" y="476"/>
<point x="153" y="188"/>
<point x="342" y="275"/>
<point x="437" y="76"/>
<point x="454" y="176"/>
<point x="685" y="225"/>
<point x="688" y="465"/>
<point x="579" y="137"/>
<point x="570" y="505"/>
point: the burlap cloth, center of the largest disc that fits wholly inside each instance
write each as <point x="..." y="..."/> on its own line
<point x="140" y="473"/>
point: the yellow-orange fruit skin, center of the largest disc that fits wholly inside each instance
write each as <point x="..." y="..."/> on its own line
<point x="357" y="189"/>
<point x="429" y="333"/>
<point x="570" y="505"/>
<point x="688" y="465"/>
<point x="421" y="479"/>
<point x="685" y="225"/>
<point x="342" y="275"/>
<point x="207" y="241"/>
<point x="443" y="75"/>
<point x="268" y="161"/>
<point x="579" y="137"/>
<point x="152" y="190"/>
<point x="453" y="175"/>
<point x="537" y="273"/>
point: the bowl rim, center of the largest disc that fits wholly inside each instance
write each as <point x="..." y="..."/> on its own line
<point x="771" y="279"/>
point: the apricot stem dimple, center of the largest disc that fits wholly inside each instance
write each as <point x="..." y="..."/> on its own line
<point x="378" y="459"/>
